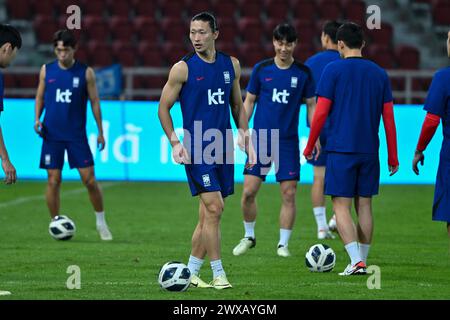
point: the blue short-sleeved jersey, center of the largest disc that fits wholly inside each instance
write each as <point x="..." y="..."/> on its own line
<point x="280" y="93"/>
<point x="317" y="63"/>
<point x="358" y="88"/>
<point x="438" y="99"/>
<point x="65" y="102"/>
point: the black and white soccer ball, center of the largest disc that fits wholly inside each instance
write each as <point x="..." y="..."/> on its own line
<point x="174" y="276"/>
<point x="320" y="258"/>
<point x="62" y="228"/>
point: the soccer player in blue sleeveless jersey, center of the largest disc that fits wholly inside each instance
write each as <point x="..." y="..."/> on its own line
<point x="278" y="86"/>
<point x="207" y="83"/>
<point x="64" y="87"/>
<point x="317" y="63"/>
<point x="10" y="43"/>
<point x="358" y="93"/>
<point x="437" y="106"/>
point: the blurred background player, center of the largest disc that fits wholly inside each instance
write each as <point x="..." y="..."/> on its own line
<point x="278" y="86"/>
<point x="207" y="83"/>
<point x="10" y="43"/>
<point x="437" y="106"/>
<point x="358" y="92"/>
<point x="317" y="63"/>
<point x="64" y="88"/>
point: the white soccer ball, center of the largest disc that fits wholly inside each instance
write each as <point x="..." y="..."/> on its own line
<point x="61" y="228"/>
<point x="320" y="258"/>
<point x="174" y="276"/>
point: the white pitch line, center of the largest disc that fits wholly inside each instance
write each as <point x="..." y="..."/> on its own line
<point x="42" y="197"/>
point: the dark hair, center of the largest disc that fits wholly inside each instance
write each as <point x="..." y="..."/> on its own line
<point x="207" y="17"/>
<point x="9" y="34"/>
<point x="66" y="36"/>
<point x="285" y="31"/>
<point x="352" y="35"/>
<point x="330" y="28"/>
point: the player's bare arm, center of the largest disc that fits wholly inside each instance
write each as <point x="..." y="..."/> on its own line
<point x="239" y="114"/>
<point x="8" y="168"/>
<point x="95" y="105"/>
<point x="310" y="109"/>
<point x="177" y="77"/>
<point x="249" y="104"/>
<point x="39" y="102"/>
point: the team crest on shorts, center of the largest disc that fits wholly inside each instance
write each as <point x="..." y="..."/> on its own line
<point x="294" y="82"/>
<point x="226" y="77"/>
<point x="76" y="82"/>
<point x="206" y="180"/>
<point x="47" y="159"/>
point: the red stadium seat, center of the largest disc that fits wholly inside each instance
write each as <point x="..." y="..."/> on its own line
<point x="44" y="8"/>
<point x="173" y="8"/>
<point x="250" y="30"/>
<point x="269" y="26"/>
<point x="10" y="80"/>
<point x="174" y="29"/>
<point x="381" y="55"/>
<point x="120" y="8"/>
<point x="305" y="30"/>
<point x="45" y="27"/>
<point x="228" y="30"/>
<point x="146" y="29"/>
<point x="145" y="8"/>
<point x="197" y="6"/>
<point x="97" y="28"/>
<point x="228" y="48"/>
<point x="303" y="9"/>
<point x="150" y="54"/>
<point x="250" y="8"/>
<point x="329" y="9"/>
<point x="174" y="52"/>
<point x="303" y="52"/>
<point x="124" y="53"/>
<point x="251" y="54"/>
<point x="122" y="28"/>
<point x="407" y="57"/>
<point x="27" y="80"/>
<point x="355" y="11"/>
<point x="61" y="7"/>
<point x="441" y="13"/>
<point x="93" y="7"/>
<point x="18" y="9"/>
<point x="100" y="54"/>
<point x="381" y="36"/>
<point x="225" y="9"/>
<point x="277" y="9"/>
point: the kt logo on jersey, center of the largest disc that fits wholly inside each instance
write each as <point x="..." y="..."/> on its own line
<point x="63" y="96"/>
<point x="215" y="97"/>
<point x="280" y="96"/>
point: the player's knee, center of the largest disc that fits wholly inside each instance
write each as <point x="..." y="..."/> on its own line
<point x="214" y="210"/>
<point x="90" y="182"/>
<point x="248" y="196"/>
<point x="54" y="182"/>
<point x="289" y="193"/>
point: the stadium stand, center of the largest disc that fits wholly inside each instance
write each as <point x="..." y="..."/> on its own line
<point x="154" y="33"/>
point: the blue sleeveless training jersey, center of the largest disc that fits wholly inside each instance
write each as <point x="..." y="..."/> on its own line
<point x="205" y="102"/>
<point x="280" y="94"/>
<point x="65" y="102"/>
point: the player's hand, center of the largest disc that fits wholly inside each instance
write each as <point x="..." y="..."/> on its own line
<point x="10" y="171"/>
<point x="100" y="142"/>
<point x="251" y="154"/>
<point x="317" y="150"/>
<point x="393" y="170"/>
<point x="418" y="157"/>
<point x="180" y="154"/>
<point x="38" y="128"/>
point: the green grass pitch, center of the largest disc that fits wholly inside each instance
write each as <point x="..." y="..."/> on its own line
<point x="152" y="223"/>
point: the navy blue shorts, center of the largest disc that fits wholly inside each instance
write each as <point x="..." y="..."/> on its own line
<point x="78" y="152"/>
<point x="322" y="160"/>
<point x="441" y="204"/>
<point x="209" y="178"/>
<point x="287" y="163"/>
<point x="352" y="174"/>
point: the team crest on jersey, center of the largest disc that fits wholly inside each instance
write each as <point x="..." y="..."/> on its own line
<point x="226" y="77"/>
<point x="76" y="82"/>
<point x="294" y="82"/>
<point x="206" y="180"/>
